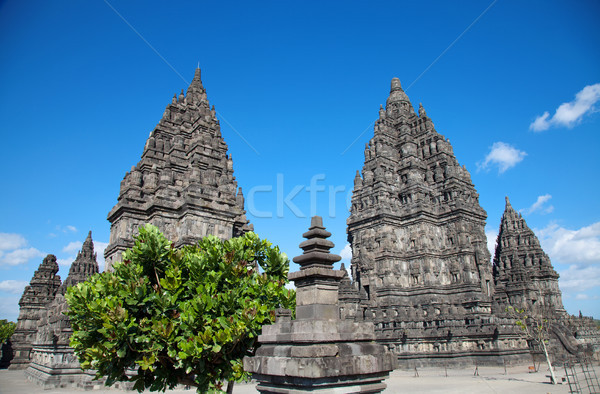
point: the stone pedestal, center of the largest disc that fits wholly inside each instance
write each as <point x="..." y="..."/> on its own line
<point x="319" y="352"/>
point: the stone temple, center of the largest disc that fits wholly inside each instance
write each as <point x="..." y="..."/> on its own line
<point x="184" y="182"/>
<point x="420" y="266"/>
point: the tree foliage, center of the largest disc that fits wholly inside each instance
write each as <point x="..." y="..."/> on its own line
<point x="185" y="315"/>
<point x="534" y="329"/>
<point x="7" y="328"/>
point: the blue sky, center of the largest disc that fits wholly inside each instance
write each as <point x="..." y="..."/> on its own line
<point x="297" y="87"/>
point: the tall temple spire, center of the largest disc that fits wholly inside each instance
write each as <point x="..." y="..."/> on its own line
<point x="84" y="266"/>
<point x="398" y="102"/>
<point x="418" y="240"/>
<point x="196" y="92"/>
<point x="184" y="182"/>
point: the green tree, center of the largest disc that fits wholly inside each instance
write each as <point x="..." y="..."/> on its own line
<point x="173" y="316"/>
<point x="7" y="328"/>
<point x="534" y="329"/>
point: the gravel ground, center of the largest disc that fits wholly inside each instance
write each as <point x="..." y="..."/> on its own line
<point x="430" y="380"/>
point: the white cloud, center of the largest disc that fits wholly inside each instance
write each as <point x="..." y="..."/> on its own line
<point x="73" y="246"/>
<point x="11" y="241"/>
<point x="9" y="308"/>
<point x="571" y="113"/>
<point x="65" y="262"/>
<point x="576" y="279"/>
<point x="571" y="246"/>
<point x="540" y="123"/>
<point x="13" y="286"/>
<point x="99" y="249"/>
<point x="538" y="205"/>
<point x="492" y="236"/>
<point x="583" y="296"/>
<point x="346" y="252"/>
<point x="502" y="155"/>
<point x="20" y="256"/>
<point x="72" y="228"/>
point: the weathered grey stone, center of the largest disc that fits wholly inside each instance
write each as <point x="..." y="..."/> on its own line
<point x="318" y="352"/>
<point x="184" y="182"/>
<point x="41" y="291"/>
<point x="420" y="264"/>
<point x="53" y="361"/>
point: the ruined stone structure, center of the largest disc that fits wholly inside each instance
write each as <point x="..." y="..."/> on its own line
<point x="184" y="183"/>
<point x="53" y="362"/>
<point x="420" y="264"/>
<point x="36" y="297"/>
<point x="318" y="352"/>
<point x="525" y="279"/>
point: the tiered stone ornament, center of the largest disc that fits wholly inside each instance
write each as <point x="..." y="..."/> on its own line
<point x="318" y="352"/>
<point x="36" y="297"/>
<point x="53" y="362"/>
<point x="184" y="183"/>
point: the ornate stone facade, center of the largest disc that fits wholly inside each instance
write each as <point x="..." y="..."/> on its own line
<point x="36" y="297"/>
<point x="184" y="182"/>
<point x="420" y="264"/>
<point x="53" y="362"/>
<point x="318" y="352"/>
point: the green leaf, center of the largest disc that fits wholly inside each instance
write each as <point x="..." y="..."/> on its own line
<point x="170" y="313"/>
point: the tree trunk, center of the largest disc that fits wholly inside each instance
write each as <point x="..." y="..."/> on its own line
<point x="230" y="384"/>
<point x="548" y="361"/>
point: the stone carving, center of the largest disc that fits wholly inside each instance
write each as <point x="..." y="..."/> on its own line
<point x="184" y="182"/>
<point x="318" y="352"/>
<point x="41" y="291"/>
<point x="53" y="362"/>
<point x="420" y="265"/>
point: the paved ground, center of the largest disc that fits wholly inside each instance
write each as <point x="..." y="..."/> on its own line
<point x="430" y="380"/>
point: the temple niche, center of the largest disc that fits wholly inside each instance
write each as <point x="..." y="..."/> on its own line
<point x="36" y="297"/>
<point x="420" y="266"/>
<point x="184" y="182"/>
